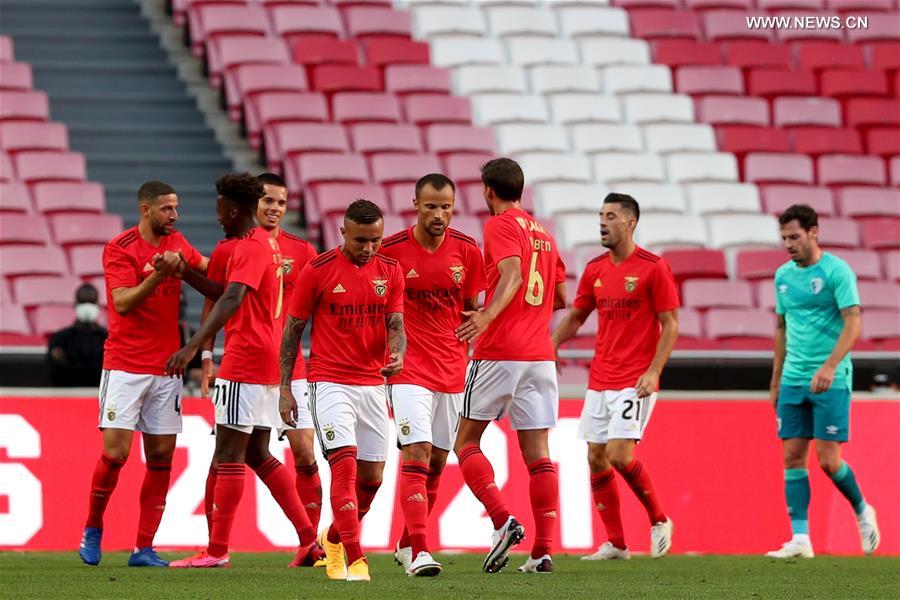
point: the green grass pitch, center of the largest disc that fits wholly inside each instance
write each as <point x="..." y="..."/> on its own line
<point x="61" y="575"/>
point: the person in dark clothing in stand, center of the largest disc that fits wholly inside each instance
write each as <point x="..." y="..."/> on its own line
<point x="75" y="354"/>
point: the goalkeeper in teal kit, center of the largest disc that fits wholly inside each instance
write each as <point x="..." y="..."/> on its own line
<point x="817" y="305"/>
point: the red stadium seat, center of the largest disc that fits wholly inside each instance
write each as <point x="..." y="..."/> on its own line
<point x="67" y="196"/>
<point x="465" y="168"/>
<point x="47" y="320"/>
<point x="24" y="106"/>
<point x="471" y="226"/>
<point x="741" y="329"/>
<point x="759" y="264"/>
<point x="764" y="290"/>
<point x="397" y="168"/>
<point x="883" y="141"/>
<point x="864" y="263"/>
<point x="855" y="6"/>
<point x="7" y="172"/>
<point x="732" y="25"/>
<point x="891" y="261"/>
<point x="360" y="107"/>
<point x="885" y="56"/>
<point x="367" y="22"/>
<point x="882" y="28"/>
<point x="14" y="320"/>
<point x="227" y="54"/>
<point x="840" y="83"/>
<point x="869" y="112"/>
<point x="728" y="110"/>
<point x="384" y="137"/>
<point x="5" y="292"/>
<point x="683" y="52"/>
<point x="869" y="202"/>
<point x="6" y="49"/>
<point x="894" y="171"/>
<point x="400" y="200"/>
<point x="17" y="136"/>
<point x="704" y="80"/>
<point x="315" y="50"/>
<point x="792" y="112"/>
<point x="427" y="109"/>
<point x="882" y="326"/>
<point x="444" y="139"/>
<point x="851" y="170"/>
<point x="749" y="54"/>
<point x="656" y="24"/>
<point x="878" y="295"/>
<point x="16" y="76"/>
<point x="770" y="83"/>
<point x="764" y="167"/>
<point x="51" y="166"/>
<point x="334" y="198"/>
<point x="816" y="55"/>
<point x="75" y="229"/>
<point x="777" y="198"/>
<point x="41" y="289"/>
<point x="290" y="22"/>
<point x="712" y="293"/>
<point x="741" y="139"/>
<point x="244" y="82"/>
<point x="14" y="198"/>
<point x="87" y="260"/>
<point x="211" y="22"/>
<point x="346" y="78"/>
<point x="417" y="79"/>
<point x="270" y="108"/>
<point x="284" y="140"/>
<point x="381" y="52"/>
<point x="24" y="229"/>
<point x="32" y="260"/>
<point x="838" y="233"/>
<point x="696" y="264"/>
<point x="881" y="233"/>
<point x="825" y="140"/>
<point x="790" y="5"/>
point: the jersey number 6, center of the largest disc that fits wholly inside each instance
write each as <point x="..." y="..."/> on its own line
<point x="534" y="290"/>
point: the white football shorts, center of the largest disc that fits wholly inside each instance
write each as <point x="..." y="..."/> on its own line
<point x="245" y="406"/>
<point x="300" y="389"/>
<point x="526" y="391"/>
<point x="350" y="415"/>
<point x="424" y="416"/>
<point x="614" y="415"/>
<point x="147" y="403"/>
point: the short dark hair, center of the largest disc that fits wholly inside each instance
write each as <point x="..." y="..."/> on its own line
<point x="363" y="212"/>
<point x="627" y="202"/>
<point x="505" y="177"/>
<point x="86" y="292"/>
<point x="271" y="179"/>
<point x="241" y="188"/>
<point x="802" y="213"/>
<point x="436" y="180"/>
<point x="152" y="190"/>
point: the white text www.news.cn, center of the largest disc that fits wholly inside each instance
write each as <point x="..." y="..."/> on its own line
<point x="808" y="22"/>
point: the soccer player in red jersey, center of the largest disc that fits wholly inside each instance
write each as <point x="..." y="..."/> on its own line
<point x="636" y="300"/>
<point x="246" y="389"/>
<point x="141" y="267"/>
<point x="513" y="371"/>
<point x="444" y="273"/>
<point x="354" y="296"/>
<point x="296" y="253"/>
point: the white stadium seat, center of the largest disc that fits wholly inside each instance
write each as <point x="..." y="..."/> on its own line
<point x="564" y="79"/>
<point x="542" y="51"/>
<point x="606" y="52"/>
<point x="577" y="21"/>
<point x="679" y="137"/>
<point x="459" y="51"/>
<point x="654" y="197"/>
<point x="727" y="231"/>
<point x="513" y="21"/>
<point x="578" y="229"/>
<point x="556" y="198"/>
<point x="713" y="198"/>
<point x="626" y="166"/>
<point x="685" y="167"/>
<point x="549" y="167"/>
<point x="659" y="108"/>
<point x="585" y="108"/>
<point x="516" y="139"/>
<point x="656" y="230"/>
<point x="636" y="79"/>
<point x="481" y="79"/>
<point x="431" y="21"/>
<point x="591" y="138"/>
<point x="494" y="109"/>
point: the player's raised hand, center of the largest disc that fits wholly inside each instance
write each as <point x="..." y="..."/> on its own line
<point x="822" y="380"/>
<point x="206" y="376"/>
<point x="178" y="362"/>
<point x="167" y="263"/>
<point x="394" y="365"/>
<point x="474" y="325"/>
<point x="647" y="384"/>
<point x="287" y="406"/>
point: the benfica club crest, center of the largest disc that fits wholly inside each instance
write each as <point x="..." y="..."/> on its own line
<point x="457" y="271"/>
<point x="380" y="286"/>
<point x="630" y="283"/>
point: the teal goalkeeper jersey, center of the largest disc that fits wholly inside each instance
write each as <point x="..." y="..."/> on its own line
<point x="811" y="300"/>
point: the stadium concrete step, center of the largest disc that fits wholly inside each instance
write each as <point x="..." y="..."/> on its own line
<point x="91" y="141"/>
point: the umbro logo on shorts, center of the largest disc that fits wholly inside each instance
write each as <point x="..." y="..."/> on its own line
<point x="338" y="289"/>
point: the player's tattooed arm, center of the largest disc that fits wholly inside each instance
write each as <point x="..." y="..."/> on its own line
<point x="396" y="344"/>
<point x="778" y="360"/>
<point x="290" y="346"/>
<point x="824" y="377"/>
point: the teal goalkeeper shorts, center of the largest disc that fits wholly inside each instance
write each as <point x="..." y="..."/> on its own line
<point x="825" y="416"/>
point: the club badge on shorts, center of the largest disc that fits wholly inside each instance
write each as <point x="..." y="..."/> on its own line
<point x="329" y="432"/>
<point x="457" y="271"/>
<point x="404" y="427"/>
<point x="111" y="412"/>
<point x="631" y="283"/>
<point x="380" y="286"/>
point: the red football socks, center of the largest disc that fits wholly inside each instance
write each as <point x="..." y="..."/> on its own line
<point x="208" y="498"/>
<point x="431" y="486"/>
<point x="606" y="499"/>
<point x="344" y="502"/>
<point x="479" y="476"/>
<point x="414" y="503"/>
<point x="638" y="479"/>
<point x="543" y="489"/>
<point x="227" y="495"/>
<point x="103" y="482"/>
<point x="365" y="494"/>
<point x="278" y="480"/>
<point x="309" y="488"/>
<point x="153" y="501"/>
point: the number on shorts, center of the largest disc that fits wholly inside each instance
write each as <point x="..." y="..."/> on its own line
<point x="534" y="290"/>
<point x="630" y="406"/>
<point x="178" y="404"/>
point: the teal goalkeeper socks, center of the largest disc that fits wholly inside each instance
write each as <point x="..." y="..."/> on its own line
<point x="845" y="481"/>
<point x="796" y="493"/>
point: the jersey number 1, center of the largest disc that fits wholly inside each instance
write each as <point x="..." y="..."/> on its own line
<point x="279" y="274"/>
<point x="534" y="290"/>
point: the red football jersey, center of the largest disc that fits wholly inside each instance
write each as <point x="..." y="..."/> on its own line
<point x="348" y="305"/>
<point x="218" y="260"/>
<point x="436" y="285"/>
<point x="522" y="330"/>
<point x="295" y="253"/>
<point x="628" y="297"/>
<point x="252" y="334"/>
<point x="143" y="340"/>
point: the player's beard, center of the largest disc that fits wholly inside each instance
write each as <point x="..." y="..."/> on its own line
<point x="163" y="228"/>
<point x="436" y="230"/>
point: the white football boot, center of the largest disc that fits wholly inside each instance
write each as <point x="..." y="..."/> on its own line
<point x="661" y="538"/>
<point x="868" y="530"/>
<point x="608" y="552"/>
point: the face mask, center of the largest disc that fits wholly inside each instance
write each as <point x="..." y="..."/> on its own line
<point x="87" y="312"/>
